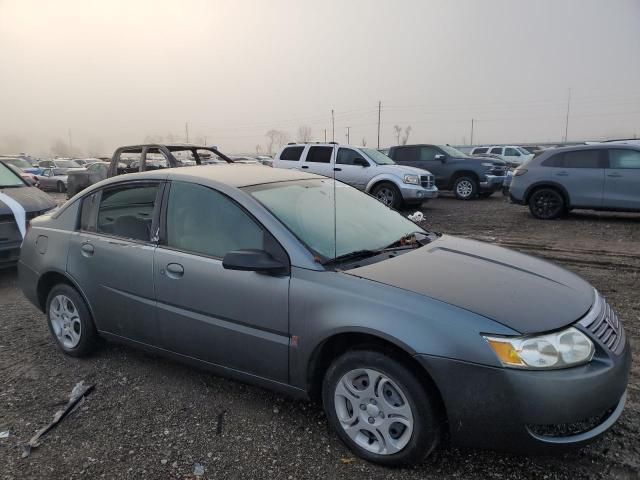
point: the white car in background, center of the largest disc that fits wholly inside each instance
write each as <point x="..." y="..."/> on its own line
<point x="511" y="154"/>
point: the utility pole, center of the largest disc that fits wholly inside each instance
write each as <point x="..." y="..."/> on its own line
<point x="472" y="120"/>
<point x="205" y="141"/>
<point x="325" y="135"/>
<point x="566" y="123"/>
<point x="348" y="135"/>
<point x="379" y="109"/>
<point x="333" y="127"/>
<point x="70" y="144"/>
<point x="186" y="129"/>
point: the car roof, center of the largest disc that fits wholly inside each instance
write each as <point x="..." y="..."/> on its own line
<point x="238" y="175"/>
<point x="593" y="146"/>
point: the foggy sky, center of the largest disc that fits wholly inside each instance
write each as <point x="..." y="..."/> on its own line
<point x="115" y="72"/>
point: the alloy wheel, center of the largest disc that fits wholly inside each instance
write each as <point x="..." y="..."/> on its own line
<point x="464" y="188"/>
<point x="386" y="196"/>
<point x="373" y="411"/>
<point x="65" y="320"/>
<point x="547" y="204"/>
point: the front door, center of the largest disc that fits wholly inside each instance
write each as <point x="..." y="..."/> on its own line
<point x="437" y="166"/>
<point x="622" y="179"/>
<point x="346" y="171"/>
<point x="111" y="257"/>
<point x="230" y="318"/>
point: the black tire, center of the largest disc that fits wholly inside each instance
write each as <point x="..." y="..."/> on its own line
<point x="387" y="193"/>
<point x="465" y="188"/>
<point x="87" y="331"/>
<point x="547" y="204"/>
<point x="485" y="194"/>
<point x="426" y="432"/>
<point x="60" y="187"/>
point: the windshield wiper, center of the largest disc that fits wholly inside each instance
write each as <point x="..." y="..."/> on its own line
<point x="352" y="256"/>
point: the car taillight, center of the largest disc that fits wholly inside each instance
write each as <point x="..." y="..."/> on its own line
<point x="519" y="171"/>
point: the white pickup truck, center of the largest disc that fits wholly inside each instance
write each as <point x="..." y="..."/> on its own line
<point x="364" y="168"/>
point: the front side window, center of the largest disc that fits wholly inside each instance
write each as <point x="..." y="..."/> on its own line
<point x="511" y="152"/>
<point x="127" y="211"/>
<point x="496" y="150"/>
<point x="319" y="154"/>
<point x="428" y="154"/>
<point x="203" y="221"/>
<point x="624" y="159"/>
<point x="346" y="156"/>
<point x="291" y="154"/>
<point x="306" y="208"/>
<point x="480" y="150"/>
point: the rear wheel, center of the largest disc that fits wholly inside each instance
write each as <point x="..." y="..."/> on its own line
<point x="379" y="409"/>
<point x="388" y="194"/>
<point x="70" y="322"/>
<point x="465" y="188"/>
<point x="546" y="204"/>
<point x="60" y="187"/>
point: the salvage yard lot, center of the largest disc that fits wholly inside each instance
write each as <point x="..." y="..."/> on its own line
<point x="154" y="418"/>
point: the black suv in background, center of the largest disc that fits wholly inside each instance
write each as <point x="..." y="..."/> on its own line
<point x="466" y="176"/>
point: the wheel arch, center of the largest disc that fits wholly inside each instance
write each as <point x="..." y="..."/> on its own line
<point x="381" y="178"/>
<point x="52" y="278"/>
<point x="547" y="184"/>
<point x="338" y="343"/>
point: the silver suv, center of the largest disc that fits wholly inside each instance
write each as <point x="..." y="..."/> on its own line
<point x="364" y="168"/>
<point x="595" y="177"/>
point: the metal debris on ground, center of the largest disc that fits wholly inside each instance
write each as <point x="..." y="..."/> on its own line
<point x="416" y="217"/>
<point x="198" y="470"/>
<point x="4" y="434"/>
<point x="75" y="400"/>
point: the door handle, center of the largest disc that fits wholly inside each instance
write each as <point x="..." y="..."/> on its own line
<point x="87" y="249"/>
<point x="175" y="270"/>
<point x="337" y="169"/>
<point x="615" y="175"/>
<point x="562" y="174"/>
<point x="304" y="166"/>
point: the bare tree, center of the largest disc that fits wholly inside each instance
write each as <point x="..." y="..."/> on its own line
<point x="364" y="142"/>
<point x="304" y="133"/>
<point x="272" y="135"/>
<point x="398" y="130"/>
<point x="407" y="132"/>
<point x="258" y="149"/>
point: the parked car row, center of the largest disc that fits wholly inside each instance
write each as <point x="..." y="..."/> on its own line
<point x="295" y="282"/>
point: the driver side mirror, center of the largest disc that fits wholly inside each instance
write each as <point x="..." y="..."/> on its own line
<point x="252" y="260"/>
<point x="441" y="157"/>
<point x="360" y="161"/>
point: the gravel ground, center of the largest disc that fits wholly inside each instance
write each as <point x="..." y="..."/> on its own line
<point x="153" y="418"/>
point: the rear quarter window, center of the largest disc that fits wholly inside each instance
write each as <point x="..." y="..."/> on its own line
<point x="291" y="154"/>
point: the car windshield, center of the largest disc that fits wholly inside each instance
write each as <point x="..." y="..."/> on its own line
<point x="67" y="164"/>
<point x="8" y="178"/>
<point x="17" y="162"/>
<point x="306" y="208"/>
<point x="453" y="152"/>
<point x="378" y="157"/>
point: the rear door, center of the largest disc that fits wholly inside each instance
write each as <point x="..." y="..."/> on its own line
<point x="622" y="179"/>
<point x="318" y="160"/>
<point x="111" y="258"/>
<point x="231" y="318"/>
<point x="581" y="172"/>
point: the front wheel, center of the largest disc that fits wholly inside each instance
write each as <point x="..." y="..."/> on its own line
<point x="465" y="188"/>
<point x="388" y="194"/>
<point x="546" y="204"/>
<point x="379" y="409"/>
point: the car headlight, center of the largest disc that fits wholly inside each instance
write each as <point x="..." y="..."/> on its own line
<point x="412" y="179"/>
<point x="562" y="349"/>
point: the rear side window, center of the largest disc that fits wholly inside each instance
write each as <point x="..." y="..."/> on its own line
<point x="576" y="159"/>
<point x="127" y="211"/>
<point x="319" y="154"/>
<point x="88" y="213"/>
<point x="624" y="159"/>
<point x="291" y="153"/>
<point x="480" y="150"/>
<point x="406" y="154"/>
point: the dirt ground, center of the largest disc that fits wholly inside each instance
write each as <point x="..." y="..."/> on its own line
<point x="153" y="418"/>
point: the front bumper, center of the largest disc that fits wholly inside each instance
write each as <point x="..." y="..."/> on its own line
<point x="491" y="183"/>
<point x="531" y="411"/>
<point x="417" y="193"/>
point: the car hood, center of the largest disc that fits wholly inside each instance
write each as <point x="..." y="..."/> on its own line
<point x="32" y="199"/>
<point x="401" y="170"/>
<point x="522" y="292"/>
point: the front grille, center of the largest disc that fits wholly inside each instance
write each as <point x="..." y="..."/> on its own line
<point x="426" y="181"/>
<point x="605" y="325"/>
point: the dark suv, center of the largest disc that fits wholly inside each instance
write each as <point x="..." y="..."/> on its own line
<point x="596" y="177"/>
<point x="468" y="177"/>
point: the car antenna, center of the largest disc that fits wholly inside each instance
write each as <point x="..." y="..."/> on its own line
<point x="334" y="153"/>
